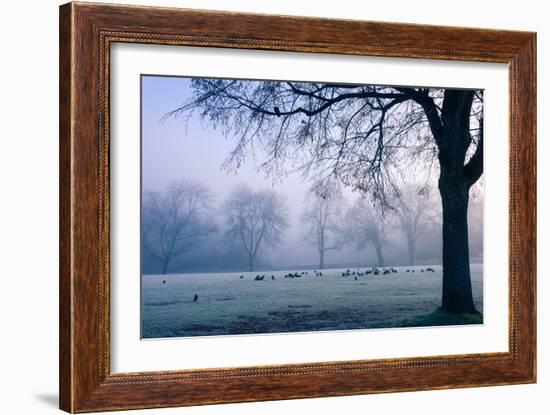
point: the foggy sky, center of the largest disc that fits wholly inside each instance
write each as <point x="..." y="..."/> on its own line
<point x="174" y="150"/>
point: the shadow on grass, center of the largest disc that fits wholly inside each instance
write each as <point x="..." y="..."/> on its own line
<point x="440" y="317"/>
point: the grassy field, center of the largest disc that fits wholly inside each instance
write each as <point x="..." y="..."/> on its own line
<point x="229" y="304"/>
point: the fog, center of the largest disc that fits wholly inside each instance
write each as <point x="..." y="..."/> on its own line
<point x="175" y="150"/>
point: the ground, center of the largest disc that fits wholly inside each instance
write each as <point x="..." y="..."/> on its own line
<point x="228" y="304"/>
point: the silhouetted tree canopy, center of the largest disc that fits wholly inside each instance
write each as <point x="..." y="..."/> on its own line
<point x="358" y="135"/>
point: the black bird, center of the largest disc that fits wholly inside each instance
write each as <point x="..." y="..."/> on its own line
<point x="277" y="111"/>
<point x="273" y="277"/>
<point x="320" y="274"/>
<point x="164" y="281"/>
<point x="195" y="298"/>
<point x="355" y="278"/>
<point x="241" y="277"/>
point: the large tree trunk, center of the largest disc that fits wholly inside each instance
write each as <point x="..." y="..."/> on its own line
<point x="453" y="139"/>
<point x="321" y="259"/>
<point x="457" y="286"/>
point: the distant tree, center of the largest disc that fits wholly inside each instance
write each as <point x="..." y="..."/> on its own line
<point x="322" y="220"/>
<point x="255" y="218"/>
<point x="366" y="228"/>
<point x="475" y="220"/>
<point x="357" y="134"/>
<point x="413" y="210"/>
<point x="173" y="220"/>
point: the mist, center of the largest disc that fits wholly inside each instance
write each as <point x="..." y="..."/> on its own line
<point x="188" y="149"/>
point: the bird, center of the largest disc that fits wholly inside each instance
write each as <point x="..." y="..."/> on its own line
<point x="195" y="298"/>
<point x="430" y="269"/>
<point x="277" y="111"/>
<point x="273" y="277"/>
<point x="164" y="281"/>
<point x="241" y="277"/>
<point x="355" y="278"/>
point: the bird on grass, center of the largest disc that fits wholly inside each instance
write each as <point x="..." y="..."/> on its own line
<point x="273" y="277"/>
<point x="241" y="277"/>
<point x="195" y="298"/>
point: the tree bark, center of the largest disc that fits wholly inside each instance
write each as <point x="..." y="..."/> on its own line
<point x="457" y="287"/>
<point x="321" y="259"/>
<point x="454" y="186"/>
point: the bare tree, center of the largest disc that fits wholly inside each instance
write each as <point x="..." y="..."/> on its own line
<point x="322" y="219"/>
<point x="475" y="218"/>
<point x="366" y="228"/>
<point x="255" y="218"/>
<point x="173" y="220"/>
<point x="414" y="212"/>
<point x="357" y="134"/>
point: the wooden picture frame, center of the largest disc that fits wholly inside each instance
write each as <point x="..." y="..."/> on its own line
<point x="86" y="33"/>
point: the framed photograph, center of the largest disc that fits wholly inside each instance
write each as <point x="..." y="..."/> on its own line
<point x="258" y="207"/>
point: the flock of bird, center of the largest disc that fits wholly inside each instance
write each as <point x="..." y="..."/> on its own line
<point x="347" y="273"/>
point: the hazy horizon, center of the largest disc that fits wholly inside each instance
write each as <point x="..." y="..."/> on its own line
<point x="174" y="150"/>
